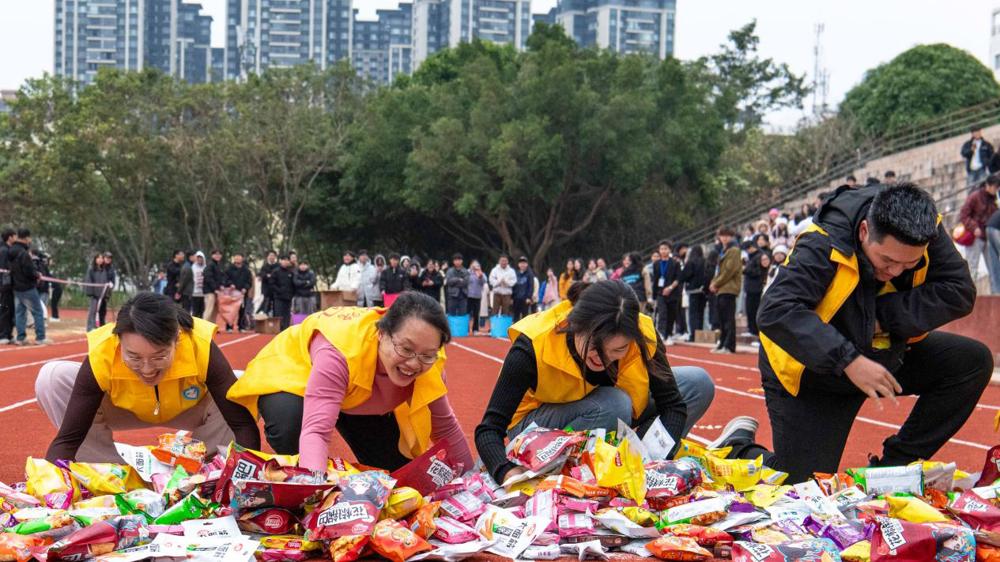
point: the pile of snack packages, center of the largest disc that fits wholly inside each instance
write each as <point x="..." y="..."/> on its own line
<point x="592" y="494"/>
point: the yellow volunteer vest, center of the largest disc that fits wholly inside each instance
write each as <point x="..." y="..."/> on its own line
<point x="560" y="379"/>
<point x="284" y="366"/>
<point x="845" y="280"/>
<point x="181" y="388"/>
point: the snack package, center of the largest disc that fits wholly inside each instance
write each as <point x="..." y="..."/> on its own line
<point x="816" y="550"/>
<point x="702" y="512"/>
<point x="463" y="506"/>
<point x="141" y="502"/>
<point x="579" y="505"/>
<point x="741" y="474"/>
<point x="619" y="523"/>
<point x="105" y="478"/>
<point x="668" y="479"/>
<point x="575" y="524"/>
<point x="978" y="514"/>
<point x="843" y="532"/>
<point x="543" y="505"/>
<point x="241" y="464"/>
<point x="191" y="507"/>
<point x="766" y="495"/>
<point x="858" y="552"/>
<point x="429" y="471"/>
<point x="890" y="480"/>
<point x="571" y="486"/>
<point x="677" y="548"/>
<point x="704" y="536"/>
<point x="991" y="468"/>
<point x="402" y="502"/>
<point x="453" y="531"/>
<point x="620" y="468"/>
<point x="481" y="486"/>
<point x="914" y="510"/>
<point x="542" y="552"/>
<point x="50" y="484"/>
<point x="100" y="538"/>
<point x="541" y="450"/>
<point x="274" y="471"/>
<point x="256" y="494"/>
<point x="17" y="548"/>
<point x="349" y="548"/>
<point x="422" y="521"/>
<point x="394" y="541"/>
<point x="511" y="535"/>
<point x="902" y="541"/>
<point x="351" y="511"/>
<point x="11" y="498"/>
<point x="268" y="521"/>
<point x="180" y="449"/>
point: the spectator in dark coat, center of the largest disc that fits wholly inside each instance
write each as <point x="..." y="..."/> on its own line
<point x="694" y="279"/>
<point x="185" y="282"/>
<point x="305" y="283"/>
<point x="173" y="270"/>
<point x="666" y="283"/>
<point x="457" y="283"/>
<point x="24" y="278"/>
<point x="239" y="277"/>
<point x="393" y="279"/>
<point x="523" y="293"/>
<point x="7" y="238"/>
<point x="431" y="281"/>
<point x="214" y="279"/>
<point x="266" y="283"/>
<point x="978" y="153"/>
<point x="97" y="275"/>
<point x="283" y="290"/>
<point x="975" y="213"/>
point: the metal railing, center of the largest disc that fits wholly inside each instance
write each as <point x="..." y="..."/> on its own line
<point x="944" y="127"/>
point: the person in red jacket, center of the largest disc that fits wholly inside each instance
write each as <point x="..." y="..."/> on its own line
<point x="976" y="212"/>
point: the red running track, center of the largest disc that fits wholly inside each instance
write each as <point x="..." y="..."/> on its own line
<point x="472" y="370"/>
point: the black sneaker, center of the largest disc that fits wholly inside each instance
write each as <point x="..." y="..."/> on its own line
<point x="739" y="430"/>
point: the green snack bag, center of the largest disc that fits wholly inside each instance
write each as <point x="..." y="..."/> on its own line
<point x="31" y="527"/>
<point x="191" y="507"/>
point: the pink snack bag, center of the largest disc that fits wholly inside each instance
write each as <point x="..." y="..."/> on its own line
<point x="463" y="506"/>
<point x="452" y="531"/>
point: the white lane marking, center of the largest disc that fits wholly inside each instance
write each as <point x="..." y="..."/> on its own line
<point x="16" y="405"/>
<point x="10" y="348"/>
<point x="956" y="441"/>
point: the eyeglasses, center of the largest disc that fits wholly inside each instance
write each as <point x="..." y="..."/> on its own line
<point x="139" y="364"/>
<point x="407" y="353"/>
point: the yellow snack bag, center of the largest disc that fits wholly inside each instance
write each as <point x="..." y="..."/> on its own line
<point x="914" y="510"/>
<point x="402" y="502"/>
<point x="689" y="448"/>
<point x="96" y="502"/>
<point x="765" y="495"/>
<point x="772" y="477"/>
<point x="741" y="474"/>
<point x="620" y="468"/>
<point x="51" y="484"/>
<point x="640" y="516"/>
<point x="105" y="478"/>
<point x="857" y="552"/>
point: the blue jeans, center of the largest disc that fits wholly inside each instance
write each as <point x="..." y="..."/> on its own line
<point x="605" y="405"/>
<point x="993" y="258"/>
<point x="972" y="179"/>
<point x="23" y="300"/>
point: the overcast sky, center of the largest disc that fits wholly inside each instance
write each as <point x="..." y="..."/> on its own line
<point x="859" y="33"/>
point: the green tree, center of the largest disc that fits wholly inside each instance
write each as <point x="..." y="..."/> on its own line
<point x="922" y="83"/>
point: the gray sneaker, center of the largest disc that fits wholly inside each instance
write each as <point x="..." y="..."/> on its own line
<point x="740" y="428"/>
<point x="46" y="341"/>
<point x="5" y="341"/>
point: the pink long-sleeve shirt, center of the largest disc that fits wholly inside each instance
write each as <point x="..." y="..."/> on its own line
<point x="325" y="392"/>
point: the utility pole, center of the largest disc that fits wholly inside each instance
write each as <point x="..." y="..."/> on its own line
<point x="821" y="78"/>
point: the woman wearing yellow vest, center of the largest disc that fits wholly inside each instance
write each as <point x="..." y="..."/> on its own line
<point x="374" y="374"/>
<point x="154" y="367"/>
<point x="587" y="363"/>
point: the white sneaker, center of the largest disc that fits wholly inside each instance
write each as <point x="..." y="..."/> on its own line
<point x="668" y="342"/>
<point x="724" y="351"/>
<point x="4" y="341"/>
<point x="738" y="423"/>
<point x="54" y="320"/>
<point x="46" y="341"/>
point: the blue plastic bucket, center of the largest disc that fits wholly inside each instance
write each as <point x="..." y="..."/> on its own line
<point x="459" y="326"/>
<point x="499" y="326"/>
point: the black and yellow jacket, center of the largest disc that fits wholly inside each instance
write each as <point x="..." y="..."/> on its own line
<point x="820" y="312"/>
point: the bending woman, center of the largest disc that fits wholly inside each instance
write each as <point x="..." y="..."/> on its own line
<point x="154" y="367"/>
<point x="587" y="363"/>
<point x="376" y="375"/>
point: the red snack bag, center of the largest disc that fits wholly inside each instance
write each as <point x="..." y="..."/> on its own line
<point x="573" y="487"/>
<point x="816" y="550"/>
<point x="268" y="521"/>
<point x="348" y="549"/>
<point x="991" y="469"/>
<point x="463" y="506"/>
<point x="987" y="553"/>
<point x="242" y="464"/>
<point x="397" y="543"/>
<point x="453" y="531"/>
<point x="901" y="541"/>
<point x="478" y="487"/>
<point x="704" y="536"/>
<point x="429" y="471"/>
<point x="677" y="548"/>
<point x="352" y="511"/>
<point x="668" y="479"/>
<point x="422" y="520"/>
<point x="273" y="471"/>
<point x="92" y="540"/>
<point x="976" y="512"/>
<point x="539" y="449"/>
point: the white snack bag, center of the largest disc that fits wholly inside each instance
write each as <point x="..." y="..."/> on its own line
<point x="218" y="528"/>
<point x="622" y="525"/>
<point x="658" y="441"/>
<point x="512" y="534"/>
<point x="143" y="461"/>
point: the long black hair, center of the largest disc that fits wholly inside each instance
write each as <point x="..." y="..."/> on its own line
<point x="603" y="310"/>
<point x="153" y="316"/>
<point x="413" y="304"/>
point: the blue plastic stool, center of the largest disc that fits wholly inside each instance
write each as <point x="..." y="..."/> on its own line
<point x="459" y="326"/>
<point x="499" y="326"/>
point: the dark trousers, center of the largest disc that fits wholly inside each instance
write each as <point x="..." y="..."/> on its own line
<point x="666" y="315"/>
<point x="947" y="372"/>
<point x="197" y="306"/>
<point x="457" y="306"/>
<point x="696" y="313"/>
<point x="283" y="310"/>
<point x="472" y="309"/>
<point x="681" y="324"/>
<point x="374" y="439"/>
<point x="727" y="322"/>
<point x="713" y="311"/>
<point x="184" y="303"/>
<point x="57" y="291"/>
<point x="522" y="308"/>
<point x="7" y="314"/>
<point x="752" y="305"/>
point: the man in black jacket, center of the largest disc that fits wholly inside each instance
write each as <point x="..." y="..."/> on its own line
<point x="267" y="283"/>
<point x="213" y="279"/>
<point x="283" y="290"/>
<point x="238" y="276"/>
<point x="305" y="283"/>
<point x="665" y="279"/>
<point x="173" y="275"/>
<point x="851" y="317"/>
<point x="24" y="278"/>
<point x="978" y="155"/>
<point x="7" y="238"/>
<point x="393" y="279"/>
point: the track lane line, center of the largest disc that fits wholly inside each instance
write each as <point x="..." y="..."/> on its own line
<point x="871" y="421"/>
<point x="11" y="348"/>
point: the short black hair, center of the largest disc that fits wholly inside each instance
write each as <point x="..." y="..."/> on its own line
<point x="905" y="212"/>
<point x="269" y="252"/>
<point x="871" y="181"/>
<point x="216" y="251"/>
<point x="362" y="252"/>
<point x="7" y="234"/>
<point x="457" y="256"/>
<point x="993" y="179"/>
<point x="238" y="254"/>
<point x="177" y="252"/>
<point x="975" y="128"/>
<point x="666" y="243"/>
<point x="890" y="174"/>
<point x="394" y="256"/>
<point x="23" y="233"/>
<point x="502" y="256"/>
<point x="153" y="316"/>
<point x="283" y="257"/>
<point x="416" y="305"/>
<point x="725" y="231"/>
<point x="851" y="178"/>
<point x="350" y="253"/>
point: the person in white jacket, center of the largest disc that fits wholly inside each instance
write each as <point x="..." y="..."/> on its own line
<point x="502" y="281"/>
<point x="369" y="293"/>
<point x="349" y="274"/>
